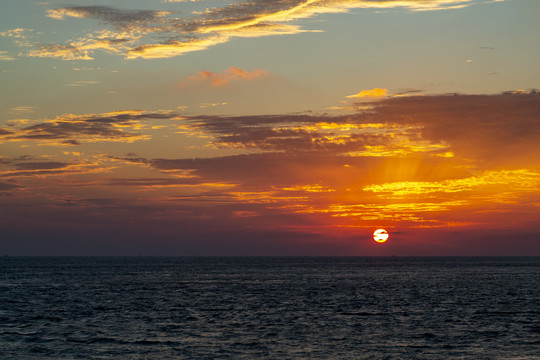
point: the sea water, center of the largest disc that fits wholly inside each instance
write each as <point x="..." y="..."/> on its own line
<point x="269" y="308"/>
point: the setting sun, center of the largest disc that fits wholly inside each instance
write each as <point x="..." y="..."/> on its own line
<point x="380" y="235"/>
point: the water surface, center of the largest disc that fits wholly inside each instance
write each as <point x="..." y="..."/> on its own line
<point x="269" y="308"/>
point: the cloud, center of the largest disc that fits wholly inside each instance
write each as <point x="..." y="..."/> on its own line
<point x="5" y="57"/>
<point x="118" y="17"/>
<point x="64" y="52"/>
<point x="416" y="157"/>
<point x="179" y="35"/>
<point x="206" y="105"/>
<point x="79" y="49"/>
<point x="373" y="93"/>
<point x="73" y="129"/>
<point x="225" y="77"/>
<point x="173" y="47"/>
<point x="444" y="162"/>
<point x="6" y="186"/>
<point x="502" y="181"/>
<point x="20" y="36"/>
<point x="4" y="132"/>
<point x="255" y="171"/>
<point x="263" y="18"/>
<point x="82" y="83"/>
<point x="22" y="109"/>
<point x="352" y="135"/>
<point x="30" y="167"/>
<point x="485" y="128"/>
<point x="45" y="165"/>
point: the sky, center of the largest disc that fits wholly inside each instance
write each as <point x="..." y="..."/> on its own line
<point x="286" y="127"/>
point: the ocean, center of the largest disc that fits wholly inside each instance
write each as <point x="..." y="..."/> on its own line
<point x="269" y="308"/>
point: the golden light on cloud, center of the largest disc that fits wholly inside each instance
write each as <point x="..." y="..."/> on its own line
<point x="373" y="93"/>
<point x="514" y="181"/>
<point x="206" y="28"/>
<point x="310" y="188"/>
<point x="403" y="149"/>
<point x="173" y="48"/>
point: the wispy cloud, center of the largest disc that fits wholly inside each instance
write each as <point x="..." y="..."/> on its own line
<point x="4" y="56"/>
<point x="82" y="83"/>
<point x="117" y="17"/>
<point x="225" y="77"/>
<point x="30" y="168"/>
<point x="134" y="32"/>
<point x="80" y="49"/>
<point x="73" y="129"/>
<point x="22" y="109"/>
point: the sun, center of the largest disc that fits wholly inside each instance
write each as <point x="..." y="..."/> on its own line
<point x="380" y="235"/>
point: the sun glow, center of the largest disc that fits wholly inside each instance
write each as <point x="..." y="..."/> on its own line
<point x="380" y="235"/>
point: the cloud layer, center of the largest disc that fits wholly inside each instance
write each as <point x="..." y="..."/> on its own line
<point x="411" y="164"/>
<point x="161" y="34"/>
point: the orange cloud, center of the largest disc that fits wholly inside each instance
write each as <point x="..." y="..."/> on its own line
<point x="373" y="93"/>
<point x="224" y="77"/>
<point x="498" y="185"/>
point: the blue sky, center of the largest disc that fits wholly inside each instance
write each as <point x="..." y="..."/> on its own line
<point x="486" y="47"/>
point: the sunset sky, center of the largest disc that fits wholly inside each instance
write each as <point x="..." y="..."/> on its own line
<point x="287" y="127"/>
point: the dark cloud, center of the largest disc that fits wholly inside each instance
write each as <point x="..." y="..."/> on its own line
<point x="151" y="182"/>
<point x="31" y="173"/>
<point x="253" y="170"/>
<point x="408" y="92"/>
<point x="5" y="132"/>
<point x="288" y="133"/>
<point x="503" y="128"/>
<point x="238" y="13"/>
<point x="71" y="142"/>
<point x="46" y="165"/>
<point x="74" y="129"/>
<point x="5" y="186"/>
<point x="263" y="171"/>
<point x="29" y="166"/>
<point x="63" y="129"/>
<point x="294" y="140"/>
<point x="109" y="14"/>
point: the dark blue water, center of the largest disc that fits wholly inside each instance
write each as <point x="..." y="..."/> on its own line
<point x="270" y="308"/>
